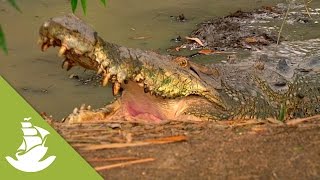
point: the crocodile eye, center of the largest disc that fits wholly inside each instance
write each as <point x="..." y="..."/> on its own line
<point x="181" y="61"/>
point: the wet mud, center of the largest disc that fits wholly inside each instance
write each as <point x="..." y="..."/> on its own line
<point x="250" y="29"/>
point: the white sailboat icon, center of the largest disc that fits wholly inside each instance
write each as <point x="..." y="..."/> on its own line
<point x="32" y="149"/>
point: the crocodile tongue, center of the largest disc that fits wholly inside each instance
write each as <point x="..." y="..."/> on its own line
<point x="140" y="105"/>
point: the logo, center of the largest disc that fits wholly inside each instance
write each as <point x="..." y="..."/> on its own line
<point x="32" y="149"/>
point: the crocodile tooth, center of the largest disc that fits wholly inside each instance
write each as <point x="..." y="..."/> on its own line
<point x="141" y="84"/>
<point x="83" y="107"/>
<point x="113" y="78"/>
<point x="106" y="78"/>
<point x="121" y="76"/>
<point x="100" y="70"/>
<point x="42" y="41"/>
<point x="138" y="78"/>
<point x="77" y="51"/>
<point x="62" y="50"/>
<point x="44" y="46"/>
<point x="104" y="64"/>
<point x="51" y="41"/>
<point x="116" y="88"/>
<point x="75" y="110"/>
<point x="68" y="64"/>
<point x="65" y="64"/>
<point x="89" y="107"/>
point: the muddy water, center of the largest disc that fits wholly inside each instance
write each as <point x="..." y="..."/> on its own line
<point x="38" y="77"/>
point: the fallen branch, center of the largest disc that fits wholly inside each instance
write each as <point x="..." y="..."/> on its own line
<point x="111" y="159"/>
<point x="306" y="3"/>
<point x="301" y="120"/>
<point x="165" y="140"/>
<point x="100" y="168"/>
<point x="197" y="40"/>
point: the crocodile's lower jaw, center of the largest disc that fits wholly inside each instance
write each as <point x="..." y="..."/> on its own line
<point x="135" y="105"/>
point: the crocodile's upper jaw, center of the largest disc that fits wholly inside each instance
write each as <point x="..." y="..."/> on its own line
<point x="79" y="44"/>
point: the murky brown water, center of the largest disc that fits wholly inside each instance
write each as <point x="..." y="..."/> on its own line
<point x="38" y="77"/>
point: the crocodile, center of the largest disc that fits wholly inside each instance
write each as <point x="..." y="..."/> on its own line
<point x="155" y="87"/>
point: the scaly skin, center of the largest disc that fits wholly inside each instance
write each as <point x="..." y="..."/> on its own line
<point x="177" y="88"/>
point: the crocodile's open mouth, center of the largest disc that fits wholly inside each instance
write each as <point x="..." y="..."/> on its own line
<point x="136" y="105"/>
<point x="80" y="45"/>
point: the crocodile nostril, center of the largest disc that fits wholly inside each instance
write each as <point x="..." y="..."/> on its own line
<point x="280" y="83"/>
<point x="46" y="24"/>
<point x="299" y="95"/>
<point x="192" y="69"/>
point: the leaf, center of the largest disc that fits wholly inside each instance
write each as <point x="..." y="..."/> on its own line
<point x="74" y="4"/>
<point x="196" y="40"/>
<point x="206" y="51"/>
<point x="251" y="40"/>
<point x="3" y="44"/>
<point x="14" y="4"/>
<point x="211" y="51"/>
<point x="104" y="2"/>
<point x="84" y="6"/>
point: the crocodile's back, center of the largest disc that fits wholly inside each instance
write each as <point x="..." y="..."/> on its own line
<point x="272" y="86"/>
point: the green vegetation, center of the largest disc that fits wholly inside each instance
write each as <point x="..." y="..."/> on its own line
<point x="3" y="44"/>
<point x="74" y="4"/>
<point x="14" y="4"/>
<point x="282" y="113"/>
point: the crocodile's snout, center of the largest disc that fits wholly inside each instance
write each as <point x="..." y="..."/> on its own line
<point x="69" y="32"/>
<point x="79" y="44"/>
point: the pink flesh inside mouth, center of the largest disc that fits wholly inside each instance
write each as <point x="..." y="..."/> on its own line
<point x="142" y="106"/>
<point x="135" y="105"/>
<point x="137" y="113"/>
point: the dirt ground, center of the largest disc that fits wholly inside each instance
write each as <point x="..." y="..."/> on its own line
<point x="198" y="150"/>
